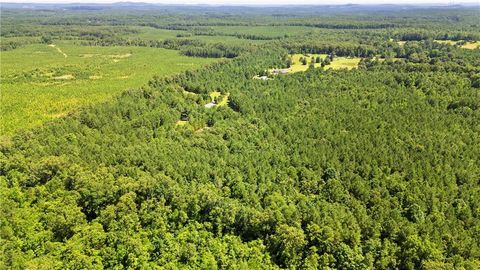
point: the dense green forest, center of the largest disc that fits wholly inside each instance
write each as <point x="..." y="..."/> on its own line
<point x="375" y="167"/>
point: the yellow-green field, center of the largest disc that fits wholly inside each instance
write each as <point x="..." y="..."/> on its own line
<point x="451" y="42"/>
<point x="216" y="95"/>
<point x="181" y="123"/>
<point x="344" y="62"/>
<point x="297" y="65"/>
<point x="40" y="82"/>
<point x="471" y="45"/>
<point x="213" y="95"/>
<point x="337" y="63"/>
<point x="468" y="45"/>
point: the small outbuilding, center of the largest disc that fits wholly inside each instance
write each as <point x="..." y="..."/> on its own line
<point x="210" y="105"/>
<point x="282" y="71"/>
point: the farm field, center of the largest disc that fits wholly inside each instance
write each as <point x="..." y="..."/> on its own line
<point x="41" y="82"/>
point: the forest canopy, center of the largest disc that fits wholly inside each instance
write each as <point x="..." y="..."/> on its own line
<point x="372" y="167"/>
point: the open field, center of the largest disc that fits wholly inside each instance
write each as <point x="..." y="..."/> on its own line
<point x="468" y="45"/>
<point x="344" y="62"/>
<point x="451" y="42"/>
<point x="41" y="82"/>
<point x="471" y="45"/>
<point x="337" y="63"/>
<point x="297" y="65"/>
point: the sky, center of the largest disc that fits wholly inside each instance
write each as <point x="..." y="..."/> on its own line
<point x="256" y="2"/>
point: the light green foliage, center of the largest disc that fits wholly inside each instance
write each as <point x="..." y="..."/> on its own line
<point x="39" y="83"/>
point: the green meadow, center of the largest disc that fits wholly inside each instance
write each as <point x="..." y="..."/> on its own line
<point x="337" y="63"/>
<point x="467" y="45"/>
<point x="42" y="82"/>
<point x="149" y="33"/>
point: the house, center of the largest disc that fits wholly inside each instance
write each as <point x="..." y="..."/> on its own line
<point x="210" y="105"/>
<point x="282" y="71"/>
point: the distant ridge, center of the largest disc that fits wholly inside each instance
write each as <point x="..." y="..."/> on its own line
<point x="302" y="8"/>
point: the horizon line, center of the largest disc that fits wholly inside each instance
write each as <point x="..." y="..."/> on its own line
<point x="243" y="4"/>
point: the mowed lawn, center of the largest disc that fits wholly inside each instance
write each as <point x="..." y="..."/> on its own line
<point x="40" y="82"/>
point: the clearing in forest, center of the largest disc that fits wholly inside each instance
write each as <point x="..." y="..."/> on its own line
<point x="344" y="62"/>
<point x="38" y="85"/>
<point x="217" y="100"/>
<point x="181" y="123"/>
<point x="450" y="42"/>
<point x="464" y="45"/>
<point x="298" y="65"/>
<point x="471" y="45"/>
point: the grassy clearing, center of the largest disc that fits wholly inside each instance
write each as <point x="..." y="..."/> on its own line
<point x="344" y="62"/>
<point x="297" y="65"/>
<point x="39" y="83"/>
<point x="468" y="45"/>
<point x="471" y="45"/>
<point x="221" y="100"/>
<point x="392" y="59"/>
<point x="224" y="100"/>
<point x="337" y="63"/>
<point x="181" y="123"/>
<point x="215" y="94"/>
<point x="450" y="42"/>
